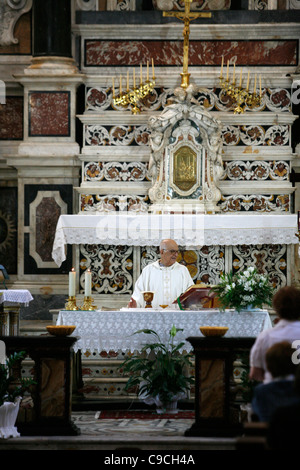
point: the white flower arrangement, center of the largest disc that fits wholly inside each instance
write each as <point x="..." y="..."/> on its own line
<point x="245" y="289"/>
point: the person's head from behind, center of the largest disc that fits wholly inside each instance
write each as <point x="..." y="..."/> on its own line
<point x="286" y="303"/>
<point x="279" y="359"/>
<point x="168" y="252"/>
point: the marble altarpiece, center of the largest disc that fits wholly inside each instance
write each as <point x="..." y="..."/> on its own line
<point x="66" y="148"/>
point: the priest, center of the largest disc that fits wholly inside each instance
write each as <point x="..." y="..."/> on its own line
<point x="165" y="277"/>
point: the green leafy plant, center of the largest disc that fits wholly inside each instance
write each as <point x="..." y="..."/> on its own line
<point x="161" y="374"/>
<point x="244" y="289"/>
<point x="9" y="391"/>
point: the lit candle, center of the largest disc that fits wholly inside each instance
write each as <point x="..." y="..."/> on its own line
<point x="153" y="76"/>
<point x="120" y="84"/>
<point x="113" y="82"/>
<point x="227" y="70"/>
<point x="127" y="80"/>
<point x="248" y="80"/>
<point x="254" y="88"/>
<point x="88" y="283"/>
<point x="147" y="70"/>
<point x="72" y="283"/>
<point x="222" y="64"/>
<point x="241" y="78"/>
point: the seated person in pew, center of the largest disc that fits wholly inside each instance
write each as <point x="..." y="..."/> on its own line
<point x="286" y="303"/>
<point x="284" y="424"/>
<point x="165" y="277"/>
<point x="281" y="390"/>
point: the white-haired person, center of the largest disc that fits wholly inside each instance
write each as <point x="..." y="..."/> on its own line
<point x="167" y="278"/>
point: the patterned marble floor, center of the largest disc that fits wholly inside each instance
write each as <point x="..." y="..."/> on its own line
<point x="122" y="435"/>
<point x="90" y="425"/>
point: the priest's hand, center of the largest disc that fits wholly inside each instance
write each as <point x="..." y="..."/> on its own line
<point x="132" y="303"/>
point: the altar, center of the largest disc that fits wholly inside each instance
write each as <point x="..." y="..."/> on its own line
<point x="113" y="330"/>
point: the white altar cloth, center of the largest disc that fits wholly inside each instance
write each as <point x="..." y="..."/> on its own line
<point x="18" y="296"/>
<point x="188" y="230"/>
<point x="113" y="330"/>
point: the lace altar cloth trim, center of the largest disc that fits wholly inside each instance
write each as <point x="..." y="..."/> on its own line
<point x="113" y="331"/>
<point x="19" y="296"/>
<point x="188" y="230"/>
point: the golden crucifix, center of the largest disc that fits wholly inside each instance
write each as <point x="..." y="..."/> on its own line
<point x="186" y="16"/>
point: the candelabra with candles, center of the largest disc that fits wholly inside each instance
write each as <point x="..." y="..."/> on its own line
<point x="133" y="96"/>
<point x="240" y="96"/>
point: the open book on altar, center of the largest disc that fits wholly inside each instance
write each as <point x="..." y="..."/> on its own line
<point x="197" y="296"/>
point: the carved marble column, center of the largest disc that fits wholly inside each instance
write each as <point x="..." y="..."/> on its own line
<point x="47" y="163"/>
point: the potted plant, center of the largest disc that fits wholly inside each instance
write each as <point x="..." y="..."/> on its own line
<point x="160" y="371"/>
<point x="245" y="290"/>
<point x="11" y="395"/>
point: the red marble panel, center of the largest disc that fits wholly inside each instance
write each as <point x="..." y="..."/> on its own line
<point x="49" y="113"/>
<point x="11" y="118"/>
<point x="168" y="53"/>
<point x="47" y="214"/>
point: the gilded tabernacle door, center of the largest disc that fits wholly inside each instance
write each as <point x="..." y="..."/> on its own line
<point x="185" y="170"/>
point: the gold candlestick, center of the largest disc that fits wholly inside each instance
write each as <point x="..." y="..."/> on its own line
<point x="88" y="304"/>
<point x="71" y="303"/>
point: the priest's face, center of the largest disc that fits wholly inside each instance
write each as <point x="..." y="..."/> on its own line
<point x="169" y="253"/>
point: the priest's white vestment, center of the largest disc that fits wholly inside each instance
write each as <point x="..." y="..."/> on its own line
<point x="167" y="283"/>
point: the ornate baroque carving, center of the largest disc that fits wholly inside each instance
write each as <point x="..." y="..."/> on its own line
<point x="185" y="161"/>
<point x="10" y="12"/>
<point x="115" y="171"/>
<point x="257" y="170"/>
<point x="275" y="100"/>
<point x="268" y="259"/>
<point x="256" y="203"/>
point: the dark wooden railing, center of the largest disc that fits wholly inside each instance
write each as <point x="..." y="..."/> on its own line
<point x="52" y="394"/>
<point x="215" y="386"/>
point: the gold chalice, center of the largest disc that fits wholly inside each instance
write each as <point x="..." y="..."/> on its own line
<point x="148" y="297"/>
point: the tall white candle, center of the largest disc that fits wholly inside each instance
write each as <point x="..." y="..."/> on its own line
<point x="222" y="64"/>
<point x="241" y="77"/>
<point x="153" y="74"/>
<point x="88" y="283"/>
<point x="72" y="283"/>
